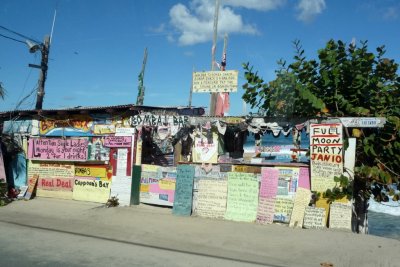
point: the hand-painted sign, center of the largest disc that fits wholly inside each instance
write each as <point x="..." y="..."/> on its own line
<point x="211" y="198"/>
<point x="283" y="208"/>
<point x="267" y="195"/>
<point x="301" y="201"/>
<point x="215" y="81"/>
<point x="205" y="150"/>
<point x="117" y="141"/>
<point x="56" y="184"/>
<point x="326" y="147"/>
<point x="366" y="122"/>
<point x="91" y="190"/>
<point x="32" y="182"/>
<point x="183" y="190"/>
<point x="80" y="124"/>
<point x="55" y="179"/>
<point x="58" y="149"/>
<point x="99" y="172"/>
<point x="159" y="120"/>
<point x="314" y="218"/>
<point x="340" y="215"/>
<point x="242" y="200"/>
<point x="157" y="185"/>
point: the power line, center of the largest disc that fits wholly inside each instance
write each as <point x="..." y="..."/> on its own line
<point x="20" y="35"/>
<point x="12" y="38"/>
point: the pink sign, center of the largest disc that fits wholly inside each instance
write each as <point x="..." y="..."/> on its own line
<point x="269" y="182"/>
<point x="267" y="196"/>
<point x="58" y="149"/>
<point x="118" y="141"/>
<point x="304" y="178"/>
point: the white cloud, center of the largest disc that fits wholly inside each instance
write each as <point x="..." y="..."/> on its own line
<point x="391" y="13"/>
<point x="262" y="5"/>
<point x="195" y="23"/>
<point x="310" y="8"/>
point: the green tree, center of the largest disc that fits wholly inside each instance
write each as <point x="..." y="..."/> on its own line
<point x="345" y="81"/>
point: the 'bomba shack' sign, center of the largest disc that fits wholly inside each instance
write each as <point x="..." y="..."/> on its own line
<point x="159" y="120"/>
<point x="326" y="145"/>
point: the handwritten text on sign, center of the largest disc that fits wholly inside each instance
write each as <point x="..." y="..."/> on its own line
<point x="211" y="201"/>
<point x="91" y="190"/>
<point x="340" y="215"/>
<point x="118" y="141"/>
<point x="56" y="184"/>
<point x="267" y="195"/>
<point x="215" y="81"/>
<point x="58" y="149"/>
<point x="242" y="200"/>
<point x="159" y="120"/>
<point x="326" y="155"/>
<point x="183" y="190"/>
<point x="91" y="171"/>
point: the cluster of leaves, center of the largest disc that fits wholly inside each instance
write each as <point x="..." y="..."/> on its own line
<point x="342" y="189"/>
<point x="345" y="81"/>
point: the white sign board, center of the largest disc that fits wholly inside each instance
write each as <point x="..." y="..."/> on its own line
<point x="215" y="81"/>
<point x="367" y="122"/>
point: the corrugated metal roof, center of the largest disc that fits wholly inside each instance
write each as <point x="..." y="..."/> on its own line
<point x="93" y="108"/>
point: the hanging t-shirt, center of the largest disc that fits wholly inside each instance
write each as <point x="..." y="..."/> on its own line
<point x="205" y="149"/>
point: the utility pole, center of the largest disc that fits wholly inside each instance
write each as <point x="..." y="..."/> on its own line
<point x="140" y="97"/>
<point x="213" y="98"/>
<point x="44" y="49"/>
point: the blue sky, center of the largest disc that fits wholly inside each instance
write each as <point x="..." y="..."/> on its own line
<point x="97" y="46"/>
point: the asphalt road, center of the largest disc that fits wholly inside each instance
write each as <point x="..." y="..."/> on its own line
<point x="22" y="246"/>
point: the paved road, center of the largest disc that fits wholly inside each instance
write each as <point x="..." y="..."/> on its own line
<point x="52" y="232"/>
<point x="22" y="246"/>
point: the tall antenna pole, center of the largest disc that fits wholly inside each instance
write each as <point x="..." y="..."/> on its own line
<point x="213" y="98"/>
<point x="140" y="97"/>
<point x="52" y="26"/>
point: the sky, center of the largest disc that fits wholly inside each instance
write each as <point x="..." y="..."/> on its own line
<point x="97" y="46"/>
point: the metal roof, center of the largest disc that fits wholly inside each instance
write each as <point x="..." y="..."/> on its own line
<point x="115" y="108"/>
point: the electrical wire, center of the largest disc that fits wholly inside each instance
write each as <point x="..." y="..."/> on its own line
<point x="16" y="40"/>
<point x="19" y="34"/>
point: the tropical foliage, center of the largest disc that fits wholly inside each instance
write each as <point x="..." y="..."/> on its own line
<point x="345" y="81"/>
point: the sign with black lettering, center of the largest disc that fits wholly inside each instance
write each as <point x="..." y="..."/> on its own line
<point x="183" y="190"/>
<point x="326" y="145"/>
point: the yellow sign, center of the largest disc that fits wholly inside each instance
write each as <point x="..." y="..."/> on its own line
<point x="91" y="190"/>
<point x="165" y="184"/>
<point x="82" y="123"/>
<point x="150" y="168"/>
<point x="215" y="81"/>
<point x="246" y="168"/>
<point x="91" y="171"/>
<point x="144" y="187"/>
